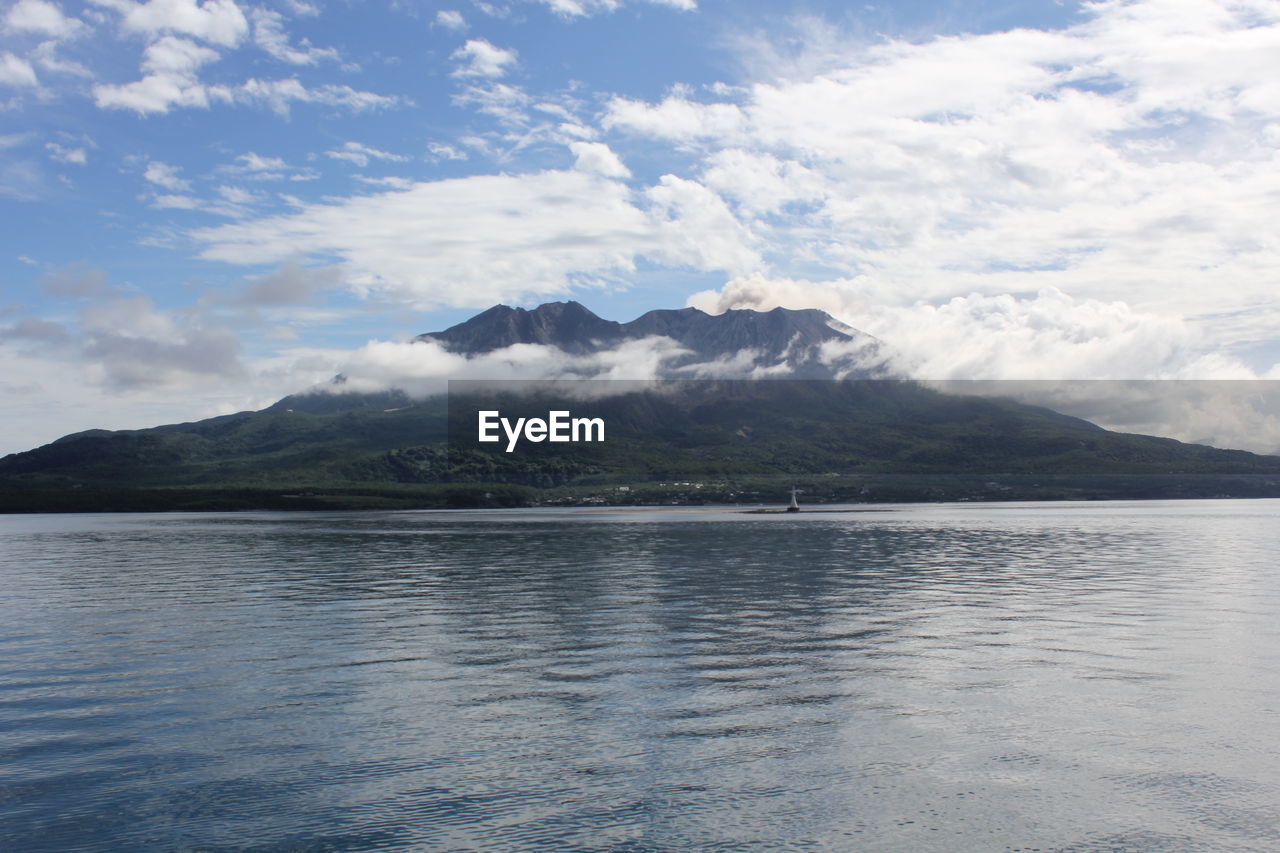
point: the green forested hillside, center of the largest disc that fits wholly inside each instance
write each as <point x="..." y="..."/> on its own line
<point x="867" y="440"/>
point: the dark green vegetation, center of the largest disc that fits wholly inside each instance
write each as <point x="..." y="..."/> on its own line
<point x="696" y="442"/>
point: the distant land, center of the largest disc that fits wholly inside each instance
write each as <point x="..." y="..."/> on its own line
<point x="838" y="427"/>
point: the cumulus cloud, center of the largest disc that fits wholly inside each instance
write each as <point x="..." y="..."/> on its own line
<point x="63" y="154"/>
<point x="129" y="343"/>
<point x="16" y="71"/>
<point x="124" y="341"/>
<point x="38" y="16"/>
<point x="598" y="158"/>
<point x="451" y="19"/>
<point x="479" y="58"/>
<point x="1044" y="335"/>
<point x="1130" y="157"/>
<point x="697" y="228"/>
<point x="169" y="65"/>
<point x="219" y="22"/>
<point x="164" y="175"/>
<point x="489" y="238"/>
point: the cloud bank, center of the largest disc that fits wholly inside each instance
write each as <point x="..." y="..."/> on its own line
<point x="495" y="238"/>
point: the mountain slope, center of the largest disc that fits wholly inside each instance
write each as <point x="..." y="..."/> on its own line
<point x="859" y="439"/>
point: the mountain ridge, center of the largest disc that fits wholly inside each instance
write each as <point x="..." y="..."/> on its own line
<point x="854" y="439"/>
<point x="805" y="343"/>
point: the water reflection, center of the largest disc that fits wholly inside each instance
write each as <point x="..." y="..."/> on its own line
<point x="1054" y="677"/>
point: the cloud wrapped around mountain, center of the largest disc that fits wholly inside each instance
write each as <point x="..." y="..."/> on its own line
<point x="1044" y="335"/>
<point x="424" y="367"/>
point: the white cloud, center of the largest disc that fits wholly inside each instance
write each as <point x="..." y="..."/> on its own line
<point x="171" y="62"/>
<point x="38" y="16"/>
<point x="761" y="183"/>
<point x="1048" y="335"/>
<point x="219" y="22"/>
<point x="252" y="166"/>
<point x="63" y="154"/>
<point x="252" y="162"/>
<point x="451" y="19"/>
<point x="269" y="34"/>
<point x="238" y="195"/>
<point x="164" y="175"/>
<point x="176" y="56"/>
<point x="360" y="155"/>
<point x="499" y="100"/>
<point x="126" y="342"/>
<point x="169" y="201"/>
<point x="441" y="151"/>
<point x="388" y="181"/>
<point x="16" y="71"/>
<point x="46" y="56"/>
<point x="1129" y="158"/>
<point x="482" y="59"/>
<point x="598" y="158"/>
<point x="488" y="238"/>
<point x="301" y="9"/>
<point x="676" y="119"/>
<point x="698" y="230"/>
<point x="279" y="94"/>
<point x="584" y="8"/>
<point x="423" y="368"/>
<point x="170" y="66"/>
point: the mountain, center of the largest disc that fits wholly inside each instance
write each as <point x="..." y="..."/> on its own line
<point x="806" y="344"/>
<point x="686" y="441"/>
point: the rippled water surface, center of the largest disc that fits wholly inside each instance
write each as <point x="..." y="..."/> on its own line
<point x="1082" y="677"/>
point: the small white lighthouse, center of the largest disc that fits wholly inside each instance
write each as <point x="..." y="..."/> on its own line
<point x="794" y="506"/>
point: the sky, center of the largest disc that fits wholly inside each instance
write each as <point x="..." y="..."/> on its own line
<point x="209" y="205"/>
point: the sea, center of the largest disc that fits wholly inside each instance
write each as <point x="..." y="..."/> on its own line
<point x="1092" y="676"/>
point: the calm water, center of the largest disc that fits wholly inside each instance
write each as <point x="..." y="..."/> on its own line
<point x="1083" y="677"/>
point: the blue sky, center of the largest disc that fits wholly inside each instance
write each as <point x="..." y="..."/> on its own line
<point x="208" y="205"/>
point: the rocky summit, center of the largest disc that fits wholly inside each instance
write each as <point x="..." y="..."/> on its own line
<point x="801" y="344"/>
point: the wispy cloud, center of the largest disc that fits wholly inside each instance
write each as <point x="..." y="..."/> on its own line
<point x="360" y="154"/>
<point x="269" y="34"/>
